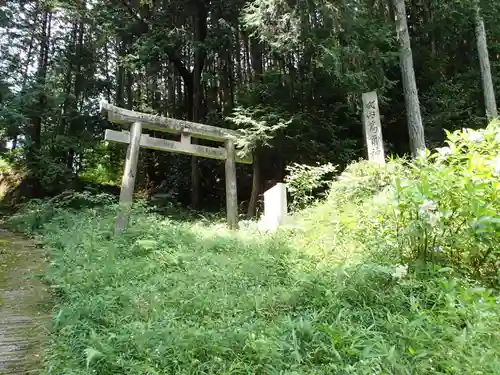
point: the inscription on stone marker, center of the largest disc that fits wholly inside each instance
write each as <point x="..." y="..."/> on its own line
<point x="372" y="127"/>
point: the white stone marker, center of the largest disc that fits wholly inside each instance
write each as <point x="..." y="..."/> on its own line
<point x="372" y="127"/>
<point x="275" y="207"/>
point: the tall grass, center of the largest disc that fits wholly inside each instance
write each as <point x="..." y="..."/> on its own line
<point x="171" y="298"/>
<point x="339" y="294"/>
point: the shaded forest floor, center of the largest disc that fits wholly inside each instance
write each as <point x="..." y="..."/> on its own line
<point x="24" y="305"/>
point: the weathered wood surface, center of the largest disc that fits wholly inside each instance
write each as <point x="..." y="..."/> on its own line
<point x="183" y="147"/>
<point x="231" y="189"/>
<point x="24" y="306"/>
<point x="128" y="180"/>
<point x="164" y="124"/>
<point x="372" y="127"/>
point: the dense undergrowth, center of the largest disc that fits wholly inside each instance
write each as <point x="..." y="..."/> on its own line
<point x="395" y="273"/>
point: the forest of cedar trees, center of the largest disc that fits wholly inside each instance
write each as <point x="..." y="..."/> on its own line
<point x="291" y="73"/>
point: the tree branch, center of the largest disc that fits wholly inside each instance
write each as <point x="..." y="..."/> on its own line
<point x="137" y="16"/>
<point x="171" y="53"/>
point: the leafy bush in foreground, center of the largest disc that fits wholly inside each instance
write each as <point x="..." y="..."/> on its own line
<point x="446" y="210"/>
<point x="442" y="208"/>
<point x="304" y="180"/>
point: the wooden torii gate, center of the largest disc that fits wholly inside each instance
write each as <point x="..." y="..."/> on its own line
<point x="137" y="121"/>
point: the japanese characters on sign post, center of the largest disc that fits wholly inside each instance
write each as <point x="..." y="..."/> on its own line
<point x="372" y="127"/>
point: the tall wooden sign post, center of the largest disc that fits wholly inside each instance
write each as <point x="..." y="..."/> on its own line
<point x="372" y="127"/>
<point x="137" y="121"/>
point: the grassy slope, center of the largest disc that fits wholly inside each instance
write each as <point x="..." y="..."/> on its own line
<point x="328" y="297"/>
<point x="186" y="298"/>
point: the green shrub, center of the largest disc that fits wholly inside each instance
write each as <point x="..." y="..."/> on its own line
<point x="442" y="208"/>
<point x="304" y="180"/>
<point x="5" y="166"/>
<point x="341" y="228"/>
<point x="447" y="210"/>
<point x="362" y="180"/>
<point x="33" y="214"/>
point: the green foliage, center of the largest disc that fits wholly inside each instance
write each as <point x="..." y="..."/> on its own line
<point x="385" y="276"/>
<point x="439" y="210"/>
<point x="275" y="22"/>
<point x="5" y="166"/>
<point x="103" y="164"/>
<point x="100" y="174"/>
<point x="340" y="294"/>
<point x="290" y="73"/>
<point x="361" y="180"/>
<point x="169" y="297"/>
<point x="304" y="180"/>
<point x="447" y="209"/>
<point x="32" y="215"/>
<point x="257" y="126"/>
<point x="342" y="227"/>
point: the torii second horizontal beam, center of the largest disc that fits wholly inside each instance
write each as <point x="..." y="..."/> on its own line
<point x="219" y="153"/>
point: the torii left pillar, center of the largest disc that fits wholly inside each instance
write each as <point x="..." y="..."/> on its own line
<point x="128" y="180"/>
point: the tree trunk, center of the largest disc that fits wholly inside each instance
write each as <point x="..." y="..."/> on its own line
<point x="415" y="126"/>
<point x="246" y="60"/>
<point x="238" y="56"/>
<point x="171" y="98"/>
<point x="154" y="97"/>
<point x="226" y="80"/>
<point x="29" y="55"/>
<point x="120" y="76"/>
<point x="68" y="81"/>
<point x="484" y="61"/>
<point x="106" y="70"/>
<point x="129" y="90"/>
<point x="42" y="75"/>
<point x="257" y="79"/>
<point x="79" y="88"/>
<point x="37" y="118"/>
<point x="429" y="20"/>
<point x="254" y="196"/>
<point x="392" y="16"/>
<point x="196" y="94"/>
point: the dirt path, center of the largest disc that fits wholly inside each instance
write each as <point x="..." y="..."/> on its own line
<point x="24" y="305"/>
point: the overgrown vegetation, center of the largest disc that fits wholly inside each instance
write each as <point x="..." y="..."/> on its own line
<point x="442" y="208"/>
<point x="395" y="271"/>
<point x="303" y="182"/>
<point x="392" y="274"/>
<point x="290" y="74"/>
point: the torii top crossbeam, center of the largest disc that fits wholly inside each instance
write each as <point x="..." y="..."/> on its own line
<point x="164" y="124"/>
